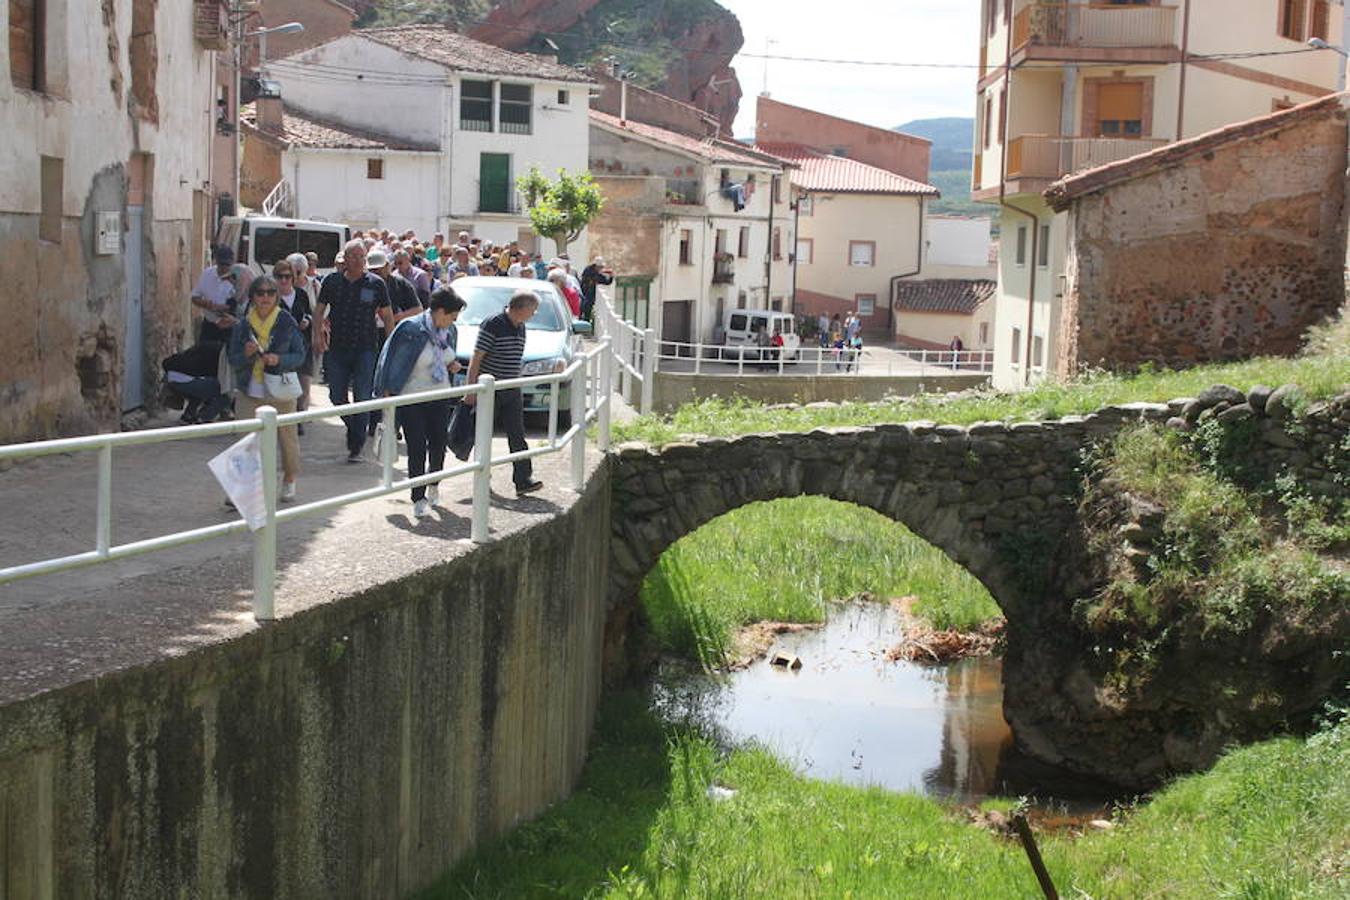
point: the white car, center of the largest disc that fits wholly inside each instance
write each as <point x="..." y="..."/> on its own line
<point x="552" y="337"/>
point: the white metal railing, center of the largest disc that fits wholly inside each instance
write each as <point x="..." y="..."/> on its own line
<point x="278" y="200"/>
<point x="634" y="358"/>
<point x="589" y="403"/>
<point x="749" y="359"/>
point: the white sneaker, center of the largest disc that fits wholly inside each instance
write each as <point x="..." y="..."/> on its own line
<point x="433" y="494"/>
<point x="288" y="492"/>
<point x="421" y="508"/>
<point x="375" y="442"/>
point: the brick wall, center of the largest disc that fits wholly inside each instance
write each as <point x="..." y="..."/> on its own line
<point x="1226" y="249"/>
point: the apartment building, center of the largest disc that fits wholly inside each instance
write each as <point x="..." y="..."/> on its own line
<point x="1066" y="87"/>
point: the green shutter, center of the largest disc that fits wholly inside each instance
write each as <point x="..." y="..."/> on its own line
<point x="494" y="182"/>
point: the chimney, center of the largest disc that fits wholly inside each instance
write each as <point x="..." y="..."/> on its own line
<point x="269" y="114"/>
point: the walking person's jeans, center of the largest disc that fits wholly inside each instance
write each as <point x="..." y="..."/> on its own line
<point x="354" y="371"/>
<point x="510" y="417"/>
<point x="424" y="428"/>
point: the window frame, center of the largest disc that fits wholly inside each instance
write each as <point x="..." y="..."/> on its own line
<point x="686" y="247"/>
<point x="1043" y="247"/>
<point x="806" y="205"/>
<point x="374" y="168"/>
<point x="483" y="103"/>
<point x="871" y="254"/>
<point x="564" y="97"/>
<point x="743" y="243"/>
<point x="516" y="105"/>
<point x="34" y="79"/>
<point x="810" y="251"/>
<point x="51" y="215"/>
<point x="777" y="242"/>
<point x="1020" y="256"/>
<point x="1292" y="20"/>
<point x="1016" y="346"/>
<point x="860" y="299"/>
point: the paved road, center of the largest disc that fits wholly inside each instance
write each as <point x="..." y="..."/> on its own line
<point x="877" y="360"/>
<point x="59" y="628"/>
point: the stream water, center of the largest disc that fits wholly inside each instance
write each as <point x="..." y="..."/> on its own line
<point x="850" y="715"/>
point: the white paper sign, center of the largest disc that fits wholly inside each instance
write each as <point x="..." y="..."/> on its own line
<point x="238" y="468"/>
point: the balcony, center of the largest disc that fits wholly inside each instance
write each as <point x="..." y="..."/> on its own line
<point x="1094" y="25"/>
<point x="724" y="269"/>
<point x="1052" y="157"/>
<point x="211" y="24"/>
<point x="684" y="191"/>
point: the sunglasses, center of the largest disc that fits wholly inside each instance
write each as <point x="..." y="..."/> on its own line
<point x="283" y="276"/>
<point x="265" y="292"/>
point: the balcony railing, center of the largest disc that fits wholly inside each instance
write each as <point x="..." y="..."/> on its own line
<point x="1048" y="156"/>
<point x="724" y="270"/>
<point x="1095" y="25"/>
<point x="684" y="191"/>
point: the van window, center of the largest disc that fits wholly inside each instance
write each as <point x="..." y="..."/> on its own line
<point x="272" y="244"/>
<point x="737" y="322"/>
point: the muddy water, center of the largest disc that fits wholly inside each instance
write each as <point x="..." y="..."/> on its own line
<point x="849" y="715"/>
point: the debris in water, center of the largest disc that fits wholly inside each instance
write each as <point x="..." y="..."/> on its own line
<point x="754" y="641"/>
<point x="717" y="792"/>
<point x="783" y="660"/>
<point x="924" y="644"/>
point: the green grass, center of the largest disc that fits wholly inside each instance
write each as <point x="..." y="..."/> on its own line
<point x="1320" y="376"/>
<point x="1269" y="821"/>
<point x="784" y="560"/>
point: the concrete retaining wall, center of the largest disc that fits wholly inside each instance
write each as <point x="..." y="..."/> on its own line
<point x="672" y="389"/>
<point x="353" y="750"/>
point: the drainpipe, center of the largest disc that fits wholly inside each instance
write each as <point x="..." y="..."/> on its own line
<point x="918" y="267"/>
<point x="796" y="238"/>
<point x="1004" y="204"/>
<point x="623" y="100"/>
<point x="1181" y="87"/>
<point x="768" y="256"/>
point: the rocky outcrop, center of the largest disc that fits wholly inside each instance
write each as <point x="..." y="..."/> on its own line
<point x="513" y="25"/>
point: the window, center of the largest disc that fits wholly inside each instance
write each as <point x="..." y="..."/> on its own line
<point x="27" y="44"/>
<point x="776" y="189"/>
<point x="564" y="98"/>
<point x="1321" y="20"/>
<point x="806" y="206"/>
<point x="1120" y="110"/>
<point x="777" y="306"/>
<point x="1016" y="346"/>
<point x="1043" y="248"/>
<point x="1021" y="245"/>
<point x="865" y="304"/>
<point x="514" y="109"/>
<point x="984" y="334"/>
<point x="806" y="251"/>
<point x="1291" y="19"/>
<point x="1002" y="112"/>
<point x="475" y="105"/>
<point x="777" y="243"/>
<point x="720" y="242"/>
<point x="53" y="186"/>
<point x="740" y="300"/>
<point x="862" y="253"/>
<point x="991" y="16"/>
<point x="686" y="247"/>
<point x="1037" y="349"/>
<point x="988" y="120"/>
<point x="743" y="244"/>
<point x="739" y="321"/>
<point x="374" y="168"/>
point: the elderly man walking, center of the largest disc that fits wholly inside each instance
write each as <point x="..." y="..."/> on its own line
<point x="354" y="297"/>
<point x="500" y="347"/>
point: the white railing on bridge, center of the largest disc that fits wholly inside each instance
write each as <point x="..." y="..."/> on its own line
<point x="586" y="379"/>
<point x="749" y="359"/>
<point x="633" y="356"/>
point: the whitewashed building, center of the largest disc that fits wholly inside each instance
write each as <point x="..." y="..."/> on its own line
<point x="485" y="116"/>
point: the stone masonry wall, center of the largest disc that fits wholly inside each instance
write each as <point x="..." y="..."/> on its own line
<point x="354" y="750"/>
<point x="1226" y="254"/>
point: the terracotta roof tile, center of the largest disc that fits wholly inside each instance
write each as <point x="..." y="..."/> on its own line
<point x="440" y="44"/>
<point x="303" y="130"/>
<point x="943" y="295"/>
<point x="1066" y="190"/>
<point x="708" y="149"/>
<point x="839" y="174"/>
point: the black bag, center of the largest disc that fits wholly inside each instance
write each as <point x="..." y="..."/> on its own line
<point x="462" y="428"/>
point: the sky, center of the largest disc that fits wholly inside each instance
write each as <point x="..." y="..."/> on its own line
<point x="909" y="31"/>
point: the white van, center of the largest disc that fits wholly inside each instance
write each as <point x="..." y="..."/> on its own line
<point x="750" y="334"/>
<point x="259" y="241"/>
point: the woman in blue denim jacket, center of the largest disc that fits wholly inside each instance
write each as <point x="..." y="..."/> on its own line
<point x="419" y="356"/>
<point x="267" y="341"/>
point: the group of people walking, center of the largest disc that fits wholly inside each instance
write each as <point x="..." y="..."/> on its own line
<point x="383" y="324"/>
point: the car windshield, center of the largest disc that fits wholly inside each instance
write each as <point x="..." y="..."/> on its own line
<point x="485" y="301"/>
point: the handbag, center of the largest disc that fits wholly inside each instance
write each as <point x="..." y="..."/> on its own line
<point x="285" y="386"/>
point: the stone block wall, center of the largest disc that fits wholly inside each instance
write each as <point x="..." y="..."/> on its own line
<point x="1229" y="250"/>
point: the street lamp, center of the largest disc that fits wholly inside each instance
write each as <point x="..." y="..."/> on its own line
<point x="1318" y="44"/>
<point x="262" y="33"/>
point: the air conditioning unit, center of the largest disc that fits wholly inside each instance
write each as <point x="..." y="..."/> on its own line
<point x="211" y="24"/>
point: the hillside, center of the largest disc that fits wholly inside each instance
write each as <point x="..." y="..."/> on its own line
<point x="952" y="140"/>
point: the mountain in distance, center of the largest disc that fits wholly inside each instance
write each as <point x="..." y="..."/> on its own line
<point x="953" y="140"/>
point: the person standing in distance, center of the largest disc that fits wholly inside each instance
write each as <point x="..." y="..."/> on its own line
<point x="355" y="297"/>
<point x="500" y="348"/>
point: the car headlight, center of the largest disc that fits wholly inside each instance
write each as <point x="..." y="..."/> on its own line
<point x="542" y="367"/>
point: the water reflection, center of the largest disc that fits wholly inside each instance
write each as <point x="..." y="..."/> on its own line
<point x="849" y="715"/>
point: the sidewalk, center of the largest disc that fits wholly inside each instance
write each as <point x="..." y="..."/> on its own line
<point x="60" y="628"/>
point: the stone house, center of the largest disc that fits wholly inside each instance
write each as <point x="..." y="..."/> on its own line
<point x="106" y="117"/>
<point x="1227" y="245"/>
<point x="489" y="114"/>
<point x="693" y="226"/>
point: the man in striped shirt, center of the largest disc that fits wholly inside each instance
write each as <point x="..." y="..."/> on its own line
<point x="500" y="348"/>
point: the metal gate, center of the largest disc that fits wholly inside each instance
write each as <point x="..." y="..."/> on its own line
<point x="133" y="346"/>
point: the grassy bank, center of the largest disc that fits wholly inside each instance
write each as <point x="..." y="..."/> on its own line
<point x="1321" y="375"/>
<point x="782" y="561"/>
<point x="1269" y="821"/>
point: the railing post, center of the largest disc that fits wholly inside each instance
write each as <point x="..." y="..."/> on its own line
<point x="577" y="393"/>
<point x="104" y="532"/>
<point x="602" y="419"/>
<point x="698" y="358"/>
<point x="648" y="370"/>
<point x="265" y="538"/>
<point x="625" y="381"/>
<point x="388" y="444"/>
<point x="482" y="446"/>
<point x="740" y="361"/>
